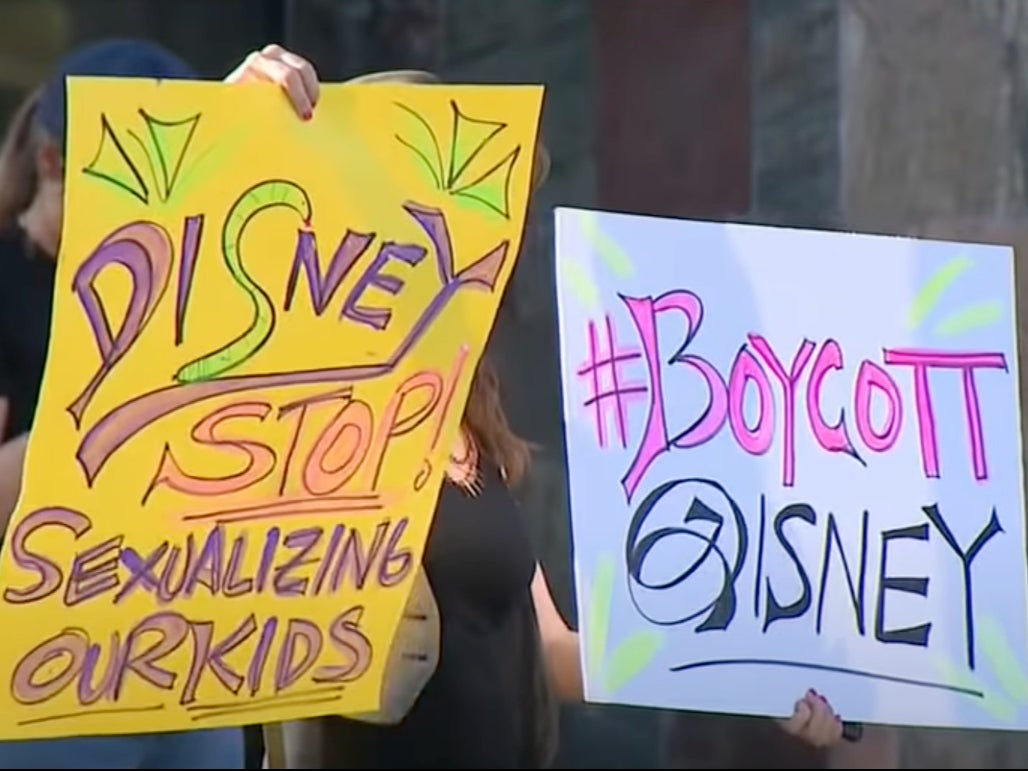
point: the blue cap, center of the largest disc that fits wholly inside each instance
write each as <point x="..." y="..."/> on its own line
<point x="110" y="58"/>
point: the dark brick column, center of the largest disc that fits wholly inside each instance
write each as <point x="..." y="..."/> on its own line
<point x="673" y="117"/>
<point x="796" y="107"/>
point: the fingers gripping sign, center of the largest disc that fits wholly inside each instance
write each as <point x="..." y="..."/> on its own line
<point x="814" y="721"/>
<point x="291" y="72"/>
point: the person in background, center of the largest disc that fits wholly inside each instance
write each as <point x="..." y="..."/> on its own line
<point x="31" y="209"/>
<point x="500" y="649"/>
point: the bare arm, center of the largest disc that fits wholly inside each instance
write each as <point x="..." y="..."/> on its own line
<point x="560" y="642"/>
<point x="12" y="458"/>
<point x="813" y="720"/>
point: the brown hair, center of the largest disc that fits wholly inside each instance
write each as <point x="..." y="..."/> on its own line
<point x="18" y="180"/>
<point x="487" y="422"/>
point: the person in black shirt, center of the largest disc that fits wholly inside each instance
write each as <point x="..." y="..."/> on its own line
<point x="31" y="196"/>
<point x="500" y="647"/>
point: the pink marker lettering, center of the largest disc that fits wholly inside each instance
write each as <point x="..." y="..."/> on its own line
<point x="746" y="369"/>
<point x="922" y="361"/>
<point x="655" y="441"/>
<point x="831" y="438"/>
<point x="870" y="377"/>
<point x="788" y="381"/>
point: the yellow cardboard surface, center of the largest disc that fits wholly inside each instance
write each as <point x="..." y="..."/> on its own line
<point x="264" y="332"/>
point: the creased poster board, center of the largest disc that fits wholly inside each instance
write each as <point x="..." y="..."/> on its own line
<point x="795" y="462"/>
<point x="263" y="337"/>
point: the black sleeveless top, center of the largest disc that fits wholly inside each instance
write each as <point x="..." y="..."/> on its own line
<point x="476" y="711"/>
<point x="26" y="297"/>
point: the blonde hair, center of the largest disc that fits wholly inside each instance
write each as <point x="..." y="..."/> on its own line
<point x="18" y="177"/>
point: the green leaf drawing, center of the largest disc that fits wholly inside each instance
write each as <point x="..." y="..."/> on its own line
<point x="470" y="137"/>
<point x="421" y="140"/>
<point x="462" y="173"/>
<point x="599" y="613"/>
<point x="163" y="156"/>
<point x="492" y="187"/>
<point x="171" y="140"/>
<point x="112" y="164"/>
<point x="631" y="657"/>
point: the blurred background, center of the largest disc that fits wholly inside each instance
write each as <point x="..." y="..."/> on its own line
<point x="882" y="116"/>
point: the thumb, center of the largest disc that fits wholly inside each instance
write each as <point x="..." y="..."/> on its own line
<point x="800" y="717"/>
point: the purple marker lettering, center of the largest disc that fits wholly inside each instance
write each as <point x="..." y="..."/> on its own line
<point x="89" y="693"/>
<point x="323" y="287"/>
<point x="255" y="672"/>
<point x="208" y="569"/>
<point x="50" y="667"/>
<point x="234" y="584"/>
<point x="267" y="558"/>
<point x="94" y="571"/>
<point x="144" y="660"/>
<point x="378" y="318"/>
<point x="211" y="655"/>
<point x="50" y="575"/>
<point x="289" y="670"/>
<point x="144" y="249"/>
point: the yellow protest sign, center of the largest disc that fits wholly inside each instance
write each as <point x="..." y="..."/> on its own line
<point x="264" y="333"/>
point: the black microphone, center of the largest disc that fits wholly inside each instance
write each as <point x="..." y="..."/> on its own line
<point x="852" y="732"/>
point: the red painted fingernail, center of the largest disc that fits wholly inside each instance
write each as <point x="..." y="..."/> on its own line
<point x="812" y="692"/>
<point x="308" y="115"/>
<point x="822" y="698"/>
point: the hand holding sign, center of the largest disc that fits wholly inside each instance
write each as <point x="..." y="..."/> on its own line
<point x="294" y="74"/>
<point x="795" y="460"/>
<point x="813" y="721"/>
<point x="264" y="335"/>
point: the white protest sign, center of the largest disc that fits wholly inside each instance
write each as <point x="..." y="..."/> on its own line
<point x="795" y="462"/>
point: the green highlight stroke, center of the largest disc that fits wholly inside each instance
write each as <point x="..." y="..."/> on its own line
<point x="631" y="657"/>
<point x="1002" y="703"/>
<point x="599" y="614"/>
<point x="931" y="293"/>
<point x="632" y="654"/>
<point x="973" y="317"/>
<point x="580" y="284"/>
<point x="610" y="252"/>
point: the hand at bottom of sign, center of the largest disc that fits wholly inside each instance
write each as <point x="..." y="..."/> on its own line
<point x="814" y="721"/>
